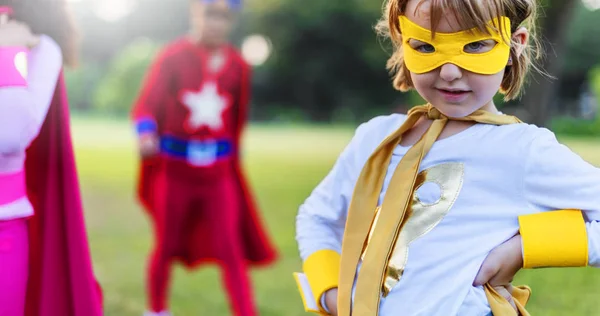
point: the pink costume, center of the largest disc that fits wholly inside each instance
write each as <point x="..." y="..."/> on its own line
<point x="45" y="267"/>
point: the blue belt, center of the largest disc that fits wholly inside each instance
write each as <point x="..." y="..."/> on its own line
<point x="196" y="152"/>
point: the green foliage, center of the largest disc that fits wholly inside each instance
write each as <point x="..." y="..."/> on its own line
<point x="326" y="57"/>
<point x="327" y="63"/>
<point x="595" y="82"/>
<point x="579" y="127"/>
<point x="81" y="83"/>
<point x="118" y="89"/>
<point x="575" y="127"/>
<point x="583" y="42"/>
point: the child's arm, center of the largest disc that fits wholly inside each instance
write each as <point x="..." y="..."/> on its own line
<point x="146" y="111"/>
<point x="321" y="220"/>
<point x="23" y="109"/>
<point x="556" y="178"/>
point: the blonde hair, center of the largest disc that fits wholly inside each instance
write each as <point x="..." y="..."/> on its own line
<point x="469" y="13"/>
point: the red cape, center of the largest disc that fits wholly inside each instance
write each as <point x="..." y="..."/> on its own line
<point x="61" y="281"/>
<point x="257" y="248"/>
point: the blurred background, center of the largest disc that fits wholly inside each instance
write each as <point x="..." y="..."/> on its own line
<point x="319" y="70"/>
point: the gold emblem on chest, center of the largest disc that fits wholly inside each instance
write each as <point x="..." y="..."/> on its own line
<point x="421" y="216"/>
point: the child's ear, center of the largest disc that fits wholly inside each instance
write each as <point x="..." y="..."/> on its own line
<point x="519" y="39"/>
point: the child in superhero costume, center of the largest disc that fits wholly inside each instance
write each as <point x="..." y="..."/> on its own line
<point x="417" y="204"/>
<point x="45" y="265"/>
<point x="189" y="117"/>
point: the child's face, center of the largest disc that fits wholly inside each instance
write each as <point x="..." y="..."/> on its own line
<point x="455" y="91"/>
<point x="212" y="21"/>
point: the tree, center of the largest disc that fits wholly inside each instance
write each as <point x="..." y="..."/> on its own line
<point x="326" y="58"/>
<point x="120" y="86"/>
<point x="553" y="30"/>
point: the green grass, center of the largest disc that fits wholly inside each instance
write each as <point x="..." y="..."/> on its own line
<point x="284" y="164"/>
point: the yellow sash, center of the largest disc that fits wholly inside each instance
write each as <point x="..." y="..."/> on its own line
<point x="392" y="215"/>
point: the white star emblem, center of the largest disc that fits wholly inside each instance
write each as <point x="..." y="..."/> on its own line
<point x="206" y="106"/>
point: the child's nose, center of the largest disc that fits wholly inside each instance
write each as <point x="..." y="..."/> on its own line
<point x="450" y="72"/>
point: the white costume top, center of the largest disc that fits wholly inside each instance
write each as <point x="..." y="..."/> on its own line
<point x="22" y="112"/>
<point x="492" y="174"/>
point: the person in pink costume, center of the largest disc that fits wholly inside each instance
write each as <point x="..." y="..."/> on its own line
<point x="45" y="264"/>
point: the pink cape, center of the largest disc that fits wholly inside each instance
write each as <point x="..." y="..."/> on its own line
<point x="61" y="280"/>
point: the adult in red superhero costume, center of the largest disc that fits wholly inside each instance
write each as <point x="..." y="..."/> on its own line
<point x="190" y="117"/>
<point x="46" y="214"/>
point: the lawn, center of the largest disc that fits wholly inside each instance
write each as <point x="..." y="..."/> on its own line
<point x="284" y="164"/>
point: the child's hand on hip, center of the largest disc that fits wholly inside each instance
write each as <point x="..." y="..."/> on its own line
<point x="331" y="301"/>
<point x="501" y="266"/>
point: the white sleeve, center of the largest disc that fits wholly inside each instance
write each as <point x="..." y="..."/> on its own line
<point x="23" y="109"/>
<point x="321" y="218"/>
<point x="557" y="178"/>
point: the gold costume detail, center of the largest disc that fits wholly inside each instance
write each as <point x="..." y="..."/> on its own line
<point x="422" y="217"/>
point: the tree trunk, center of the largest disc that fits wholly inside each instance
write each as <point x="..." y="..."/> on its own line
<point x="542" y="91"/>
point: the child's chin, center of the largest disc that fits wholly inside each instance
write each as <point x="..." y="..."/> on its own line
<point x="457" y="110"/>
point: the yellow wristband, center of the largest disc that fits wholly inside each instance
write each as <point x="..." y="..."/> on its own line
<point x="322" y="270"/>
<point x="554" y="239"/>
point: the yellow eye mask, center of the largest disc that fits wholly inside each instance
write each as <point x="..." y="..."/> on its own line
<point x="460" y="48"/>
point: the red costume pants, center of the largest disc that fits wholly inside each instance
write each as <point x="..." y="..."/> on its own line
<point x="198" y="221"/>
